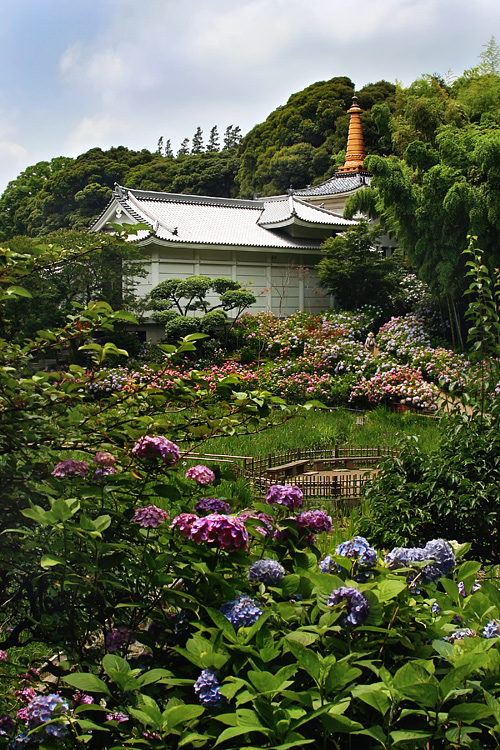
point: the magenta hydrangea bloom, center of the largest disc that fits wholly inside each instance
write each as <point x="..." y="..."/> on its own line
<point x="3" y="655"/>
<point x="183" y="523"/>
<point x="200" y="474"/>
<point x="228" y="532"/>
<point x="157" y="447"/>
<point x="150" y="517"/>
<point x="315" y="521"/>
<point x="285" y="494"/>
<point x="103" y="458"/>
<point x="70" y="468"/>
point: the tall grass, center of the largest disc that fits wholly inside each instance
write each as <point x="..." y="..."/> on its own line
<point x="324" y="428"/>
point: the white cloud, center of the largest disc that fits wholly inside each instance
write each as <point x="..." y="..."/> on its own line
<point x="13" y="159"/>
<point x="102" y="129"/>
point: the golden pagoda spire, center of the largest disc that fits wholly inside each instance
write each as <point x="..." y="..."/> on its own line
<point x="355" y="153"/>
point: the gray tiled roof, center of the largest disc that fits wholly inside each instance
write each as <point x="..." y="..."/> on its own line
<point x="222" y="221"/>
<point x="280" y="211"/>
<point x="339" y="183"/>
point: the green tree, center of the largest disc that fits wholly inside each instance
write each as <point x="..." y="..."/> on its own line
<point x="213" y="141"/>
<point x="197" y="146"/>
<point x="355" y="271"/>
<point x="174" y="299"/>
<point x="95" y="267"/>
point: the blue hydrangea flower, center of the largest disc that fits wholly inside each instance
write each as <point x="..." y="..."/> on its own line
<point x="45" y="708"/>
<point x="354" y="602"/>
<point x="459" y="635"/>
<point x="475" y="587"/>
<point x="437" y="550"/>
<point x="207" y="689"/>
<point x="327" y="564"/>
<point x="364" y="555"/>
<point x="491" y="630"/>
<point x="266" y="571"/>
<point x="243" y="611"/>
<point x="435" y="609"/>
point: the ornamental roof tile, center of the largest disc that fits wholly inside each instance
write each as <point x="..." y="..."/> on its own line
<point x="339" y="183"/>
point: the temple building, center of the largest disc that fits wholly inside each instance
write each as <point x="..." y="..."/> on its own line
<point x="270" y="245"/>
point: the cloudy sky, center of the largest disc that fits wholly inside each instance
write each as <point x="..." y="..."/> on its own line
<point x="85" y="73"/>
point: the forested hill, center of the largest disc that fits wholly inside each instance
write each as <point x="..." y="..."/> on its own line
<point x="299" y="143"/>
<point x="433" y="147"/>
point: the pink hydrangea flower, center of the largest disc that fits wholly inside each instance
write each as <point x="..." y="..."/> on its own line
<point x="201" y="474"/>
<point x="70" y="468"/>
<point x="150" y="517"/>
<point x="103" y="458"/>
<point x="183" y="523"/>
<point x="3" y="655"/>
<point x="228" y="532"/>
<point x="157" y="447"/>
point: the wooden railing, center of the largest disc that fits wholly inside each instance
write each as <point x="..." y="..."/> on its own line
<point x="332" y="486"/>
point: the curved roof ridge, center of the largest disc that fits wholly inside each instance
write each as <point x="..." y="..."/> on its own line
<point x="152" y="220"/>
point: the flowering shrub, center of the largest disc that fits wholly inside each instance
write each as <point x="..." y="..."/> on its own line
<point x="401" y="384"/>
<point x="156" y="447"/>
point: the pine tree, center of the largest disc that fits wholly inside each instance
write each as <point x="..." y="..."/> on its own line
<point x="232" y="136"/>
<point x="159" y="146"/>
<point x="167" y="152"/>
<point x="213" y="141"/>
<point x="197" y="144"/>
<point x="184" y="149"/>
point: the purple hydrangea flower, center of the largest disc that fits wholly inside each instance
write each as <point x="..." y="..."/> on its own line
<point x="227" y="531"/>
<point x="200" y="474"/>
<point x="259" y="516"/>
<point x="6" y="725"/>
<point x="103" y="458"/>
<point x="435" y="609"/>
<point x="212" y="505"/>
<point x="285" y="494"/>
<point x="103" y="471"/>
<point x="119" y="638"/>
<point x="315" y="521"/>
<point x="44" y="708"/>
<point x="150" y="517"/>
<point x="207" y="689"/>
<point x="461" y="588"/>
<point x="157" y="447"/>
<point x="437" y="550"/>
<point x="266" y="571"/>
<point x="491" y="630"/>
<point x="70" y="468"/>
<point x="243" y="611"/>
<point x="354" y="602"/>
<point x="183" y="523"/>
